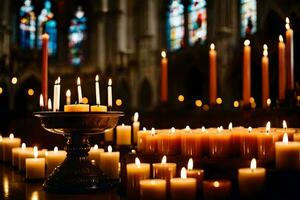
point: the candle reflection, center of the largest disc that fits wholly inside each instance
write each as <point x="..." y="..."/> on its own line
<point x="6" y="186"/>
<point x="34" y="195"/>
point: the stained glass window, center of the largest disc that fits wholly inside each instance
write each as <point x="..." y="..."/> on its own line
<point x="197" y="21"/>
<point x="47" y="24"/>
<point x="27" y="25"/>
<point x="248" y="17"/>
<point x="77" y="36"/>
<point x="175" y="25"/>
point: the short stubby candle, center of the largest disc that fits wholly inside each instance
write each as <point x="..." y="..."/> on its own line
<point x="54" y="158"/>
<point x="123" y="135"/>
<point x="198" y="174"/>
<point x="109" y="163"/>
<point x="183" y="187"/>
<point x="135" y="172"/>
<point x="98" y="108"/>
<point x="135" y="127"/>
<point x="77" y="108"/>
<point x="219" y="143"/>
<point x="24" y="153"/>
<point x="141" y="135"/>
<point x="151" y="142"/>
<point x="169" y="143"/>
<point x="35" y="167"/>
<point x="94" y="154"/>
<point x="266" y="144"/>
<point x="249" y="144"/>
<point x="251" y="181"/>
<point x="219" y="189"/>
<point x="15" y="155"/>
<point x="191" y="142"/>
<point x="8" y="144"/>
<point x="153" y="189"/>
<point x="287" y="154"/>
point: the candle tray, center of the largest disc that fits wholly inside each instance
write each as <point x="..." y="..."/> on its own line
<point x="76" y="174"/>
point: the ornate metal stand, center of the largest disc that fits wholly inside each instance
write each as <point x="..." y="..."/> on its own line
<point x="77" y="174"/>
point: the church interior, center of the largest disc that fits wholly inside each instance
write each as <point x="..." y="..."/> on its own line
<point x="178" y="63"/>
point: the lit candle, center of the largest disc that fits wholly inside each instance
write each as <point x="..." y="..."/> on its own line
<point x="15" y="155"/>
<point x="164" y="77"/>
<point x="265" y="77"/>
<point x="169" y="142"/>
<point x="68" y="97"/>
<point x="247" y="72"/>
<point x="251" y="181"/>
<point x="212" y="74"/>
<point x="151" y="142"/>
<point x="94" y="154"/>
<point x="281" y="69"/>
<point x="97" y="88"/>
<point x="198" y="174"/>
<point x="109" y="93"/>
<point x="287" y="154"/>
<point x="8" y="144"/>
<point x="151" y="189"/>
<point x="42" y="102"/>
<point x="289" y="37"/>
<point x="109" y="135"/>
<point x="55" y="95"/>
<point x="191" y="142"/>
<point x="79" y="91"/>
<point x="266" y="144"/>
<point x="249" y="144"/>
<point x="58" y="95"/>
<point x="54" y="158"/>
<point x="35" y="167"/>
<point x="135" y="172"/>
<point x="220" y="189"/>
<point x="285" y="129"/>
<point x="109" y="163"/>
<point x="123" y="135"/>
<point x="135" y="126"/>
<point x="183" y="187"/>
<point x="24" y="153"/>
<point x="49" y="104"/>
<point x="45" y="39"/>
<point x="235" y="139"/>
<point x="219" y="142"/>
<point x="141" y="135"/>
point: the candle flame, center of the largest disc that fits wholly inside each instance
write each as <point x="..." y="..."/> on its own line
<point x="55" y="149"/>
<point x="246" y="42"/>
<point x="23" y="146"/>
<point x="49" y="104"/>
<point x="123" y="124"/>
<point x="109" y="82"/>
<point x="109" y="149"/>
<point x="137" y="162"/>
<point x="95" y="147"/>
<point x="183" y="173"/>
<point x="172" y="130"/>
<point x="78" y="81"/>
<point x="285" y="138"/>
<point x="46" y="153"/>
<point x="58" y="80"/>
<point x="253" y="164"/>
<point x="268" y="127"/>
<point x="230" y="126"/>
<point x="97" y="78"/>
<point x="216" y="184"/>
<point x="163" y="54"/>
<point x="190" y="165"/>
<point x="187" y="128"/>
<point x="35" y="151"/>
<point x="265" y="51"/>
<point x="136" y="117"/>
<point x="284" y="125"/>
<point x="212" y="46"/>
<point x="144" y="129"/>
<point x="287" y="20"/>
<point x="11" y="136"/>
<point x="41" y="100"/>
<point x="152" y="131"/>
<point x="280" y="38"/>
<point x="164" y="159"/>
<point x="249" y="129"/>
<point x="1" y="138"/>
<point x="202" y="128"/>
<point x="68" y="93"/>
<point x="45" y="36"/>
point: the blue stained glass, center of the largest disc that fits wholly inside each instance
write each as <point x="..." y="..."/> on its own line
<point x="248" y="17"/>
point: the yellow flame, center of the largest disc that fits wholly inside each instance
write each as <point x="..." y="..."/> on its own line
<point x="246" y="42"/>
<point x="78" y="81"/>
<point x="268" y="127"/>
<point x="230" y="126"/>
<point x="163" y="54"/>
<point x="41" y="100"/>
<point x="253" y="164"/>
<point x="172" y="130"/>
<point x="137" y="162"/>
<point x="144" y="129"/>
<point x="249" y="129"/>
<point x="216" y="184"/>
<point x="49" y="104"/>
<point x="164" y="159"/>
<point x="187" y="128"/>
<point x="136" y="117"/>
<point x="183" y="173"/>
<point x="265" y="50"/>
<point x="11" y="136"/>
<point x="284" y="125"/>
<point x="97" y="78"/>
<point x="202" y="128"/>
<point x="190" y="165"/>
<point x="212" y="46"/>
<point x="55" y="149"/>
<point x="280" y="38"/>
<point x="109" y="82"/>
<point x="68" y="93"/>
<point x="109" y="149"/>
<point x="152" y="131"/>
<point x="285" y="138"/>
<point x="23" y="146"/>
<point x="95" y="147"/>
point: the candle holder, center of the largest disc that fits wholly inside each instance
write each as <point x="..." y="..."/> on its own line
<point x="76" y="174"/>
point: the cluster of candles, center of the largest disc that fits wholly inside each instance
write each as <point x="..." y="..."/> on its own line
<point x="191" y="181"/>
<point x="80" y="106"/>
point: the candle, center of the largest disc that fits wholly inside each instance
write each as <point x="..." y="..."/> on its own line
<point x="79" y="91"/>
<point x="141" y="135"/>
<point x="297" y="137"/>
<point x="249" y="144"/>
<point x="235" y="139"/>
<point x="164" y="77"/>
<point x="94" y="154"/>
<point x="97" y="88"/>
<point x="35" y="167"/>
<point x="24" y="153"/>
<point x="151" y="189"/>
<point x="151" y="142"/>
<point x="49" y="104"/>
<point x="55" y="95"/>
<point x="45" y="39"/>
<point x="169" y="142"/>
<point x="109" y="163"/>
<point x="109" y="135"/>
<point x="219" y="142"/>
<point x="135" y="172"/>
<point x="123" y="135"/>
<point x="109" y="93"/>
<point x="58" y="94"/>
<point x="212" y="74"/>
<point x="183" y="187"/>
<point x="42" y="102"/>
<point x="136" y="126"/>
<point x="287" y="154"/>
<point x="266" y="144"/>
<point x="15" y="155"/>
<point x="289" y="37"/>
<point x="191" y="142"/>
<point x="164" y="170"/>
<point x="54" y="158"/>
<point x="1" y="148"/>
<point x="198" y="174"/>
<point x="285" y="129"/>
<point x="281" y="69"/>
<point x="247" y="72"/>
<point x="220" y="189"/>
<point x="68" y="97"/>
<point x="265" y="77"/>
<point x="251" y="181"/>
<point x="77" y="108"/>
<point x="8" y="144"/>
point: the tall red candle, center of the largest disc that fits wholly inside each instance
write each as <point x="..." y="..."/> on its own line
<point x="281" y="69"/>
<point x="265" y="77"/>
<point x="247" y="73"/>
<point x="289" y="36"/>
<point x="45" y="39"/>
<point x="164" y="78"/>
<point x="212" y="74"/>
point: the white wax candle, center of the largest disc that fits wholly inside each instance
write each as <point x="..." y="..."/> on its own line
<point x="109" y="93"/>
<point x="79" y="91"/>
<point x="8" y="144"/>
<point x="135" y="126"/>
<point x="94" y="154"/>
<point x="58" y="94"/>
<point x="54" y="95"/>
<point x="54" y="158"/>
<point x="49" y="104"/>
<point x="35" y="167"/>
<point x="97" y="90"/>
<point x="109" y="163"/>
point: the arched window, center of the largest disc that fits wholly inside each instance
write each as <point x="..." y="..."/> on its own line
<point x="197" y="21"/>
<point x="47" y="24"/>
<point x="248" y="17"/>
<point x="175" y="25"/>
<point x="27" y="25"/>
<point x="77" y="36"/>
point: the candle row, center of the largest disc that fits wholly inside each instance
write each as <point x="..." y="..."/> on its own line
<point x="191" y="182"/>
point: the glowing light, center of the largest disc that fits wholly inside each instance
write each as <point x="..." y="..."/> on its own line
<point x="30" y="92"/>
<point x="205" y="107"/>
<point x="236" y="104"/>
<point x="1" y="90"/>
<point x="95" y="147"/>
<point x="180" y="98"/>
<point x="280" y="38"/>
<point x="268" y="127"/>
<point x="41" y="100"/>
<point x="11" y="136"/>
<point x="137" y="162"/>
<point x="246" y="42"/>
<point x="144" y="129"/>
<point x="265" y="50"/>
<point x="183" y="173"/>
<point x="216" y="184"/>
<point x="198" y="103"/>
<point x="203" y="129"/>
<point x="253" y="164"/>
<point x="6" y="186"/>
<point x="212" y="46"/>
<point x="249" y="129"/>
<point x="35" y="152"/>
<point x="119" y="102"/>
<point x="285" y="138"/>
<point x="252" y="100"/>
<point x="287" y="25"/>
<point x="172" y="130"/>
<point x="152" y="131"/>
<point x="164" y="160"/>
<point x="34" y="195"/>
<point x="109" y="149"/>
<point x="269" y="102"/>
<point x="190" y="165"/>
<point x="284" y="125"/>
<point x="85" y="100"/>
<point x="55" y="149"/>
<point x="68" y="93"/>
<point x="14" y="80"/>
<point x="97" y="78"/>
<point x="163" y="54"/>
<point x="78" y="81"/>
<point x="187" y="128"/>
<point x="109" y="82"/>
<point x="219" y="100"/>
<point x="49" y="104"/>
<point x="23" y="146"/>
<point x="230" y="126"/>
<point x="136" y="117"/>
